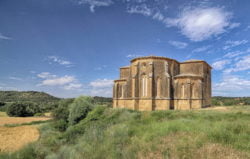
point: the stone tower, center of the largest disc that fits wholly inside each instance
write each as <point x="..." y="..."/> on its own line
<point x="160" y="83"/>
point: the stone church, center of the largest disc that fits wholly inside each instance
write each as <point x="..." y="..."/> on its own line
<point x="160" y="83"/>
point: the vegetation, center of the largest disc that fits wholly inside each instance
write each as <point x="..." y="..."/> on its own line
<point x="229" y="101"/>
<point x="103" y="101"/>
<point x="45" y="101"/>
<point x="120" y="133"/>
<point x="23" y="109"/>
<point x="79" y="109"/>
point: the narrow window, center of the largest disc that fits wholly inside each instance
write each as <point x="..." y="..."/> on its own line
<point x="144" y="86"/>
<point x="183" y="90"/>
<point x="158" y="88"/>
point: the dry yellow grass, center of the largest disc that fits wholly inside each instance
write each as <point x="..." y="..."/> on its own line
<point x="19" y="120"/>
<point x="3" y="114"/>
<point x="13" y="138"/>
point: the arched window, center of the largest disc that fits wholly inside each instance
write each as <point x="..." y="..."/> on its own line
<point x="144" y="85"/>
<point x="158" y="87"/>
<point x="183" y="90"/>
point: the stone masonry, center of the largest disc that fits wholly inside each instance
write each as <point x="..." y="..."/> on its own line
<point x="160" y="83"/>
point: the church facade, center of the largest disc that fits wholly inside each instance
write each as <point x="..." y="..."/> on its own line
<point x="160" y="83"/>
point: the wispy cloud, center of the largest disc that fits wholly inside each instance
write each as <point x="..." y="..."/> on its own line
<point x="242" y="64"/>
<point x="201" y="23"/>
<point x="178" y="44"/>
<point x="101" y="83"/>
<point x="95" y="3"/>
<point x="231" y="83"/>
<point x="201" y="49"/>
<point x="219" y="65"/>
<point x="134" y="55"/>
<point x="66" y="82"/>
<point x="15" y="78"/>
<point x="141" y="9"/>
<point x="101" y="87"/>
<point x="3" y="37"/>
<point x="60" y="61"/>
<point x="236" y="53"/>
<point x="230" y="44"/>
<point x="101" y="68"/>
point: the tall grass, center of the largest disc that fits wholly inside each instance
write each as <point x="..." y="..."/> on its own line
<point x="118" y="133"/>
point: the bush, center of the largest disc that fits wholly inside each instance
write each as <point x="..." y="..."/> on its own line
<point x="62" y="111"/>
<point x="22" y="109"/>
<point x="39" y="114"/>
<point x="2" y="104"/>
<point x="79" y="109"/>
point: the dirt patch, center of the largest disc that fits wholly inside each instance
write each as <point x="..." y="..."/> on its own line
<point x="19" y="120"/>
<point x="13" y="138"/>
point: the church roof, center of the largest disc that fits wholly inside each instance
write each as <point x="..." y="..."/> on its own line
<point x="152" y="57"/>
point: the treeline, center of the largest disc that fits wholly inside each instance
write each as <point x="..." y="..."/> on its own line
<point x="103" y="101"/>
<point x="228" y="101"/>
<point x="43" y="101"/>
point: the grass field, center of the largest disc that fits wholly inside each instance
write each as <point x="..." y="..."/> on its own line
<point x="211" y="133"/>
<point x="15" y="136"/>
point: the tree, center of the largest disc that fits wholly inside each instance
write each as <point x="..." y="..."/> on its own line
<point x="79" y="109"/>
<point x="22" y="109"/>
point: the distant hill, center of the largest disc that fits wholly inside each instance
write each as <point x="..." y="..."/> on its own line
<point x="27" y="96"/>
<point x="219" y="100"/>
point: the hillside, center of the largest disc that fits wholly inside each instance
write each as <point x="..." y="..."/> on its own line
<point x="107" y="133"/>
<point x="228" y="101"/>
<point x="27" y="96"/>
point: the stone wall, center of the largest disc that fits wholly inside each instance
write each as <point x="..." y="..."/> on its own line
<point x="159" y="83"/>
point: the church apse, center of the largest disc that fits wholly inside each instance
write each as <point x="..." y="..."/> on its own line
<point x="160" y="83"/>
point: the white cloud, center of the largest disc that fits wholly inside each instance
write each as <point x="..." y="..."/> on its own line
<point x="15" y="78"/>
<point x="58" y="81"/>
<point x="219" y="65"/>
<point x="3" y="37"/>
<point x="101" y="87"/>
<point x="95" y="3"/>
<point x="242" y="64"/>
<point x="101" y="83"/>
<point x="133" y="55"/>
<point x="158" y="16"/>
<point x="60" y="61"/>
<point x="234" y="25"/>
<point x="65" y="82"/>
<point x="178" y="44"/>
<point x="46" y="75"/>
<point x="73" y="86"/>
<point x="141" y="9"/>
<point x="201" y="23"/>
<point x="201" y="49"/>
<point x="236" y="53"/>
<point x="232" y="83"/>
<point x="230" y="44"/>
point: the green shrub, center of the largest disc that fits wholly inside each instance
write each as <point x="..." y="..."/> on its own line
<point x="79" y="109"/>
<point x="39" y="114"/>
<point x="23" y="109"/>
<point x="2" y="104"/>
<point x="60" y="125"/>
<point x="62" y="111"/>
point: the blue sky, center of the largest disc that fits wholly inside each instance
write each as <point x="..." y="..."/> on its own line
<point x="75" y="47"/>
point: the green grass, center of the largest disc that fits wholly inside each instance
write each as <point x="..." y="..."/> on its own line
<point x="118" y="133"/>
<point x="30" y="123"/>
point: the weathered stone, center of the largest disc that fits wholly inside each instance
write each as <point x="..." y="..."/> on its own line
<point x="160" y="83"/>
